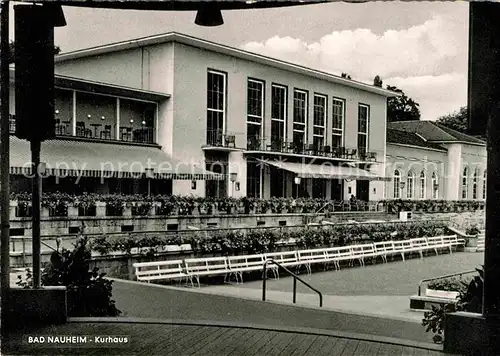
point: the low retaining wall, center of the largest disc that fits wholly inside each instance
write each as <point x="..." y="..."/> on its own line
<point x="73" y="225"/>
<point x="459" y="220"/>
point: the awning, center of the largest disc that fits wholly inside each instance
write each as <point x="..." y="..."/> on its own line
<point x="73" y="158"/>
<point x="324" y="171"/>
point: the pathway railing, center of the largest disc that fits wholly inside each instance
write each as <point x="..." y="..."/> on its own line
<point x="441" y="277"/>
<point x="295" y="278"/>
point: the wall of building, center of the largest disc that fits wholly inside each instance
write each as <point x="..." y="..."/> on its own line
<point x="416" y="159"/>
<point x="474" y="158"/>
<point x="189" y="127"/>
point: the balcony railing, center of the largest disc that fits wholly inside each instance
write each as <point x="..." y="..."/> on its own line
<point x="282" y="146"/>
<point x="217" y="138"/>
<point x="101" y="131"/>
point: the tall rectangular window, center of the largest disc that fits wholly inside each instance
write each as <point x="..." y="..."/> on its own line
<point x="319" y="123"/>
<point x="278" y="116"/>
<point x="255" y="113"/>
<point x="338" y="114"/>
<point x="216" y="107"/>
<point x="299" y="119"/>
<point x="363" y="124"/>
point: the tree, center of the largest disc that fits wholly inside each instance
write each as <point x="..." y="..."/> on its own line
<point x="12" y="51"/>
<point x="456" y="120"/>
<point x="401" y="108"/>
<point x="377" y="81"/>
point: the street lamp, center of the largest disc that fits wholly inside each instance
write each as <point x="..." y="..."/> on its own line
<point x="149" y="173"/>
<point x="233" y="177"/>
<point x="297" y="180"/>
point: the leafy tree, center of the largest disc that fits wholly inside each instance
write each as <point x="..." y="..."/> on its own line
<point x="401" y="108"/>
<point x="12" y="51"/>
<point x="377" y="81"/>
<point x="456" y="120"/>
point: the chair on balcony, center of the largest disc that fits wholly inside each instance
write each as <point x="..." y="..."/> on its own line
<point x="230" y="141"/>
<point x="352" y="153"/>
<point x="106" y="133"/>
<point x="126" y="133"/>
<point x="82" y="131"/>
<point x="371" y="156"/>
<point x="311" y="149"/>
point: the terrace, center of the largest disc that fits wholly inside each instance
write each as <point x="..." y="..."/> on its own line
<point x="218" y="140"/>
<point x="103" y="112"/>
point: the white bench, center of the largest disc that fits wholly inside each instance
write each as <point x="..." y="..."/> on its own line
<point x="360" y="252"/>
<point x="384" y="249"/>
<point x="308" y="257"/>
<point x="337" y="254"/>
<point x="159" y="270"/>
<point x="401" y="247"/>
<point x="284" y="258"/>
<point x="247" y="263"/>
<point x="455" y="241"/>
<point x="441" y="242"/>
<point x="419" y="245"/>
<point x="211" y="266"/>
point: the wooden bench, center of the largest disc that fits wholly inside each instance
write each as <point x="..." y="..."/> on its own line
<point x="247" y="263"/>
<point x="338" y="254"/>
<point x="211" y="266"/>
<point x="360" y="252"/>
<point x="160" y="270"/>
<point x="419" y="245"/>
<point x="441" y="242"/>
<point x="384" y="249"/>
<point x="308" y="257"/>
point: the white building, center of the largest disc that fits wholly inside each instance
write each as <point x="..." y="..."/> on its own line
<point x="426" y="160"/>
<point x="261" y="121"/>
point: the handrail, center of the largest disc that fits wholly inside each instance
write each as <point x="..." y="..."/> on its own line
<point x="295" y="277"/>
<point x="442" y="277"/>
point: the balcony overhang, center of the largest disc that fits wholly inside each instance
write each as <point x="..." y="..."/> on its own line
<point x="325" y="171"/>
<point x="71" y="158"/>
<point x="83" y="85"/>
<point x="261" y="153"/>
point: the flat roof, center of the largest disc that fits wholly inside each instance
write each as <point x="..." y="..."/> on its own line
<point x="219" y="48"/>
<point x="85" y="85"/>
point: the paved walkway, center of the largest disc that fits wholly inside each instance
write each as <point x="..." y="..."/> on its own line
<point x="153" y="338"/>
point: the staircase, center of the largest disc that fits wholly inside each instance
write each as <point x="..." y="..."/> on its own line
<point x="480" y="243"/>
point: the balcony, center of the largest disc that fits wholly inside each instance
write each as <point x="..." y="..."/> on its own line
<point x="288" y="147"/>
<point x="100" y="131"/>
<point x="216" y="138"/>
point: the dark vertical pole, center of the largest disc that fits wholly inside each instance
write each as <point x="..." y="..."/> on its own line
<point x="484" y="111"/>
<point x="294" y="290"/>
<point x="36" y="202"/>
<point x="4" y="150"/>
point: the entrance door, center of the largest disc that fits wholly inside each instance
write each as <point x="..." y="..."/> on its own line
<point x="362" y="190"/>
<point x="337" y="189"/>
<point x="278" y="182"/>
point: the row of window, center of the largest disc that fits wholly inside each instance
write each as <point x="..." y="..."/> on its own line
<point x="475" y="181"/>
<point x="411" y="182"/>
<point x="216" y="106"/>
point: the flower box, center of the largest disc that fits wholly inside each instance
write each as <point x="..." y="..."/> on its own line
<point x="441" y="294"/>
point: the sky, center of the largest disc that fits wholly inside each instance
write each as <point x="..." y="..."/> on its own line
<point x="420" y="47"/>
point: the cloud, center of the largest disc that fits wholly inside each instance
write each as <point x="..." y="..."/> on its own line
<point x="437" y="95"/>
<point x="428" y="61"/>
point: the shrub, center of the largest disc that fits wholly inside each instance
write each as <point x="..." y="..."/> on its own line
<point x="88" y="292"/>
<point x="470" y="299"/>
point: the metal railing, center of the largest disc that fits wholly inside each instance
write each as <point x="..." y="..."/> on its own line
<point x="441" y="277"/>
<point x="295" y="278"/>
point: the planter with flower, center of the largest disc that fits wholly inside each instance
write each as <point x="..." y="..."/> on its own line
<point x="205" y="206"/>
<point x="185" y="205"/>
<point x="86" y="204"/>
<point x="248" y="205"/>
<point x="55" y="204"/>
